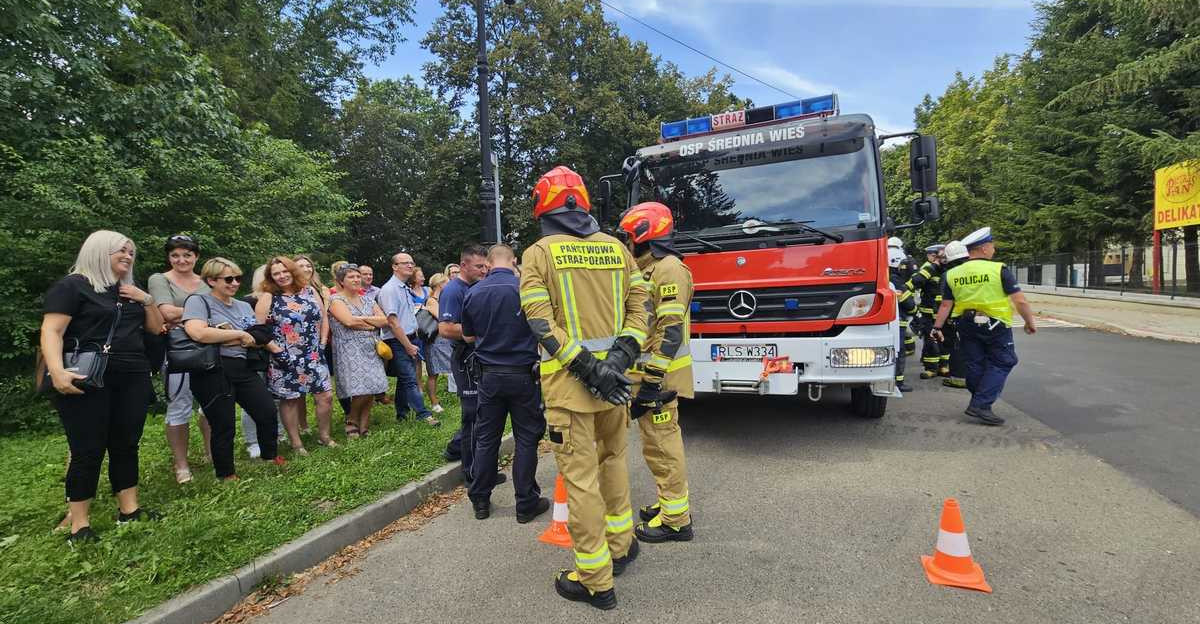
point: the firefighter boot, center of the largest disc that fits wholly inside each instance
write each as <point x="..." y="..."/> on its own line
<point x="928" y="374"/>
<point x="619" y="563"/>
<point x="655" y="532"/>
<point x="648" y="512"/>
<point x="568" y="586"/>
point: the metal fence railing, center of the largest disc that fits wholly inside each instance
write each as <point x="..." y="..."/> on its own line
<point x="1119" y="268"/>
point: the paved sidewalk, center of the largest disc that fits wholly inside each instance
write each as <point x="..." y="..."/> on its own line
<point x="1134" y="319"/>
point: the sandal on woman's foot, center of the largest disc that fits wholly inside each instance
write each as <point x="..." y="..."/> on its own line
<point x="351" y="431"/>
<point x="328" y="442"/>
<point x="364" y="433"/>
<point x="183" y="475"/>
<point x="301" y="451"/>
<point x="431" y="421"/>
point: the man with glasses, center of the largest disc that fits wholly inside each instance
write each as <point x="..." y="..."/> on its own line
<point x="400" y="335"/>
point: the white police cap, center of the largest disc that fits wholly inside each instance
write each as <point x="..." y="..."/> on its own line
<point x="978" y="237"/>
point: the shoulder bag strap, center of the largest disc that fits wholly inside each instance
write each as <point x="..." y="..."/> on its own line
<point x="112" y="330"/>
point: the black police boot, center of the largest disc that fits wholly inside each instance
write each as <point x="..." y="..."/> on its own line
<point x="655" y="532"/>
<point x="568" y="586"/>
<point x="984" y="414"/>
<point x="538" y="509"/>
<point x="647" y="512"/>
<point x="483" y="509"/>
<point x="619" y="563"/>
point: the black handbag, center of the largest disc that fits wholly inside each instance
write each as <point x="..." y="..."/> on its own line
<point x="90" y="364"/>
<point x="427" y="325"/>
<point x="185" y="355"/>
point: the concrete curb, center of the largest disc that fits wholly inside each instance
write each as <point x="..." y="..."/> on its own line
<point x="1108" y="295"/>
<point x="1088" y="321"/>
<point x="211" y="600"/>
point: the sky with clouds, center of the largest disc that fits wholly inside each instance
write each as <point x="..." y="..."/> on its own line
<point x="880" y="56"/>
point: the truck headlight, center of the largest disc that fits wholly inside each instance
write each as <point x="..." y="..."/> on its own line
<point x="860" y="357"/>
<point x="856" y="306"/>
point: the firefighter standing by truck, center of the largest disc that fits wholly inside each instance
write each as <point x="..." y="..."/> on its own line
<point x="955" y="254"/>
<point x="585" y="300"/>
<point x="927" y="281"/>
<point x="663" y="372"/>
<point x="906" y="305"/>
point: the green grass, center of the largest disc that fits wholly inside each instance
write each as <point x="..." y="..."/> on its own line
<point x="209" y="529"/>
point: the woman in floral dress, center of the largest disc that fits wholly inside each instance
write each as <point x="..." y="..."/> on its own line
<point x="355" y="327"/>
<point x="300" y="369"/>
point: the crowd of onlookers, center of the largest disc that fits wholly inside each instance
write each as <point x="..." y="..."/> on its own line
<point x="289" y="339"/>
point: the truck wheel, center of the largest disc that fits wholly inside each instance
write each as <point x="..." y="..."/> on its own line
<point x="866" y="404"/>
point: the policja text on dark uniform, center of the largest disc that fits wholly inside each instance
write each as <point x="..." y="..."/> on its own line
<point x="505" y="356"/>
<point x="979" y="292"/>
<point x="663" y="372"/>
<point x="589" y="316"/>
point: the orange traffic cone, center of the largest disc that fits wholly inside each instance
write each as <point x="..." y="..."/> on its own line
<point x="951" y="563"/>
<point x="556" y="534"/>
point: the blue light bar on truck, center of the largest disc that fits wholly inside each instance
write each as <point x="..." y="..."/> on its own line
<point x="809" y="107"/>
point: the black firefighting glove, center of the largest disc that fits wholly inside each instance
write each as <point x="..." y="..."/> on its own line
<point x="650" y="398"/>
<point x="623" y="354"/>
<point x="602" y="381"/>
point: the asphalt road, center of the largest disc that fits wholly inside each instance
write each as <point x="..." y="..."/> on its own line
<point x="1130" y="401"/>
<point x="805" y="513"/>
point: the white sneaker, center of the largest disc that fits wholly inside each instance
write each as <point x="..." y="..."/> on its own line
<point x="438" y="408"/>
<point x="253" y="451"/>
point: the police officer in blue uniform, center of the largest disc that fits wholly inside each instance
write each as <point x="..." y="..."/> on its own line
<point x="473" y="264"/>
<point x="505" y="356"/>
<point x="982" y="294"/>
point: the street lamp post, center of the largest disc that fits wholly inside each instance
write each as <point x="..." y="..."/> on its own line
<point x="489" y="209"/>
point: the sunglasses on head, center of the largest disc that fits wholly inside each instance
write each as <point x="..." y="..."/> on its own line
<point x="181" y="238"/>
<point x="231" y="279"/>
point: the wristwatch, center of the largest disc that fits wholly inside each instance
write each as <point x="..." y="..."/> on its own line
<point x="148" y="302"/>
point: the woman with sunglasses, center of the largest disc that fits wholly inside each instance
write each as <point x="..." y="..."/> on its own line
<point x="222" y="319"/>
<point x="300" y="325"/>
<point x="170" y="290"/>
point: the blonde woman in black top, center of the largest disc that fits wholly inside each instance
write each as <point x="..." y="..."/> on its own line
<point x="80" y="311"/>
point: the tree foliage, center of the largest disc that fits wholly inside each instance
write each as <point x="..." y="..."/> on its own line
<point x="566" y="88"/>
<point x="108" y="120"/>
<point x="1056" y="149"/>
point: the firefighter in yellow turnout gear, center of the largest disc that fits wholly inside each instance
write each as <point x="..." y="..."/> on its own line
<point x="586" y="301"/>
<point x="663" y="372"/>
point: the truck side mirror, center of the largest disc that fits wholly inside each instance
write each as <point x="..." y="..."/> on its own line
<point x="922" y="164"/>
<point x="926" y="209"/>
<point x="603" y="200"/>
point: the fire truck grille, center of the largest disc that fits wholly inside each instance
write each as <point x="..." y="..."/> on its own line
<point x="791" y="303"/>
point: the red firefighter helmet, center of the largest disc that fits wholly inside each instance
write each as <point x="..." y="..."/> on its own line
<point x="559" y="187"/>
<point x="647" y="221"/>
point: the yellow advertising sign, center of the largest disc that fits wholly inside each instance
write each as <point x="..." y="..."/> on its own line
<point x="1177" y="196"/>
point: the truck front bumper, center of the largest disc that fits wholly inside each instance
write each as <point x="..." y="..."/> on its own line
<point x="810" y="359"/>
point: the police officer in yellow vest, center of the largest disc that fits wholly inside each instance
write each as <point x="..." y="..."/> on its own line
<point x="585" y="300"/>
<point x="982" y="294"/>
<point x="664" y="371"/>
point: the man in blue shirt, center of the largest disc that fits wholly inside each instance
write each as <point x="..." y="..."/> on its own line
<point x="473" y="264"/>
<point x="400" y="335"/>
<point x="506" y="351"/>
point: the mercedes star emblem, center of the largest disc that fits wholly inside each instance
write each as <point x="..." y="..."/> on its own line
<point x="742" y="304"/>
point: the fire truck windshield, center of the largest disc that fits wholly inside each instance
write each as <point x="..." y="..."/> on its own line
<point x="834" y="189"/>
